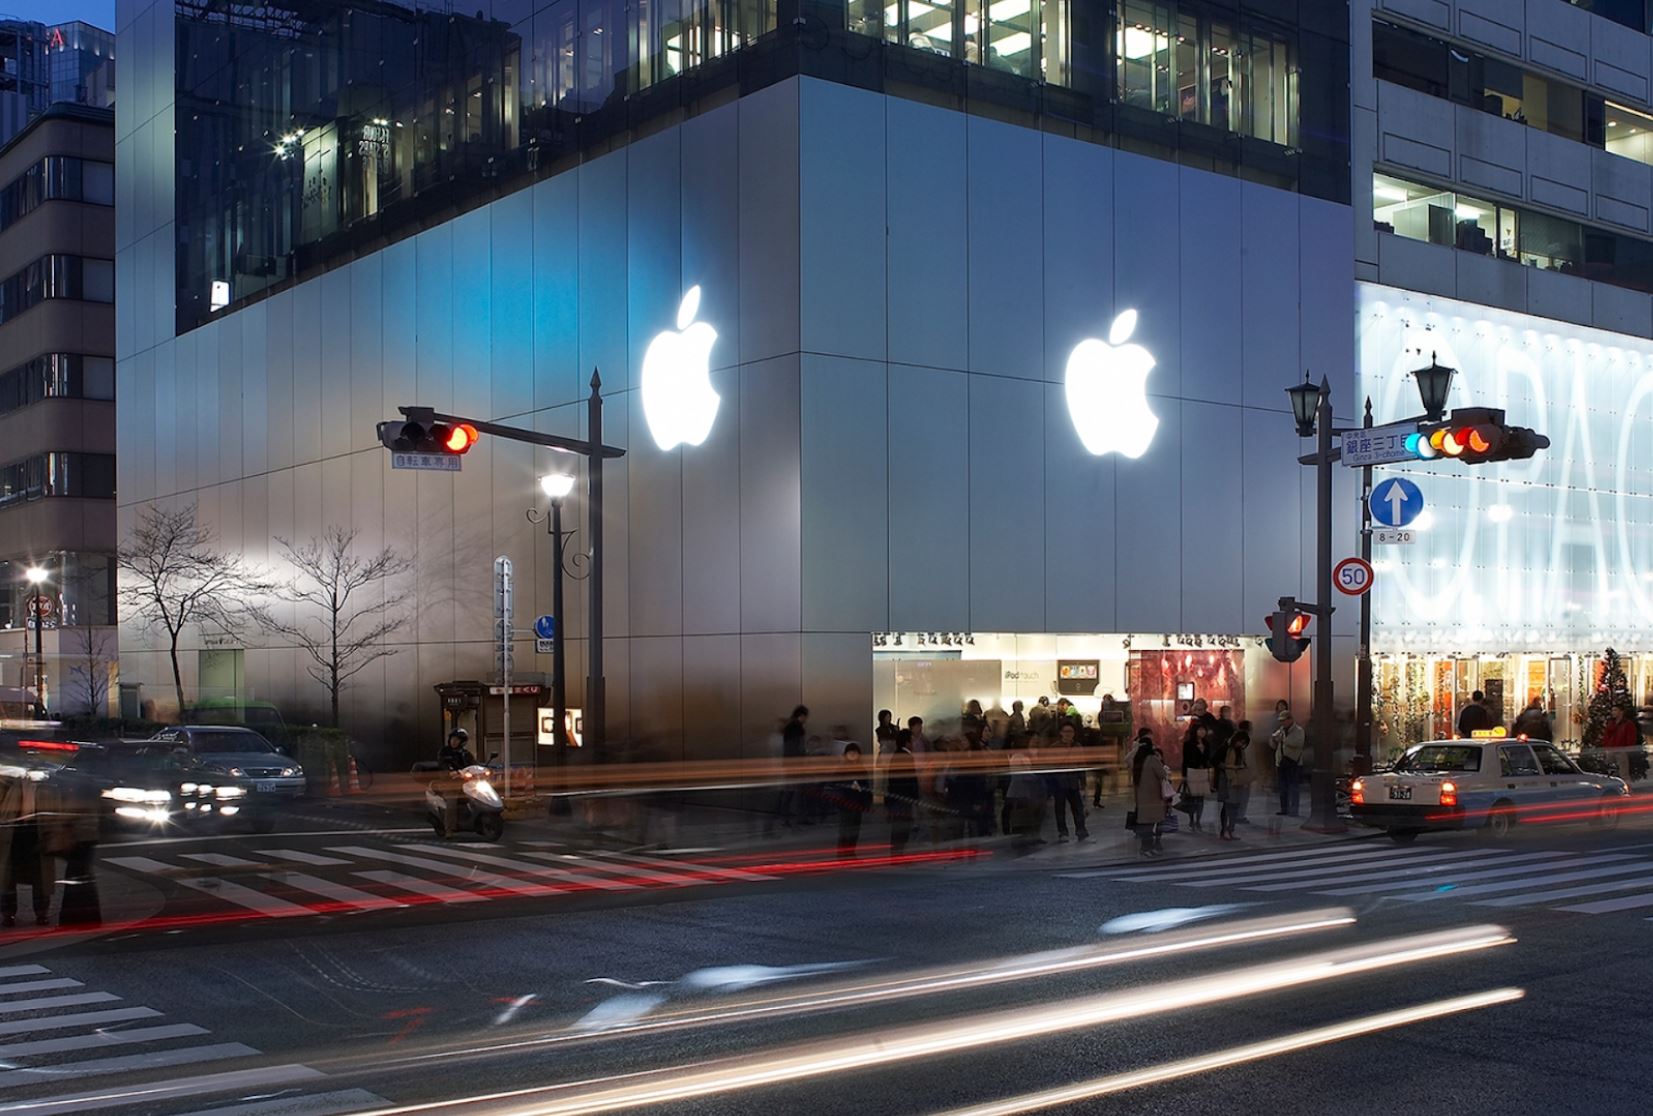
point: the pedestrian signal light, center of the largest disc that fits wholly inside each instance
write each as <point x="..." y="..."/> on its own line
<point x="1286" y="641"/>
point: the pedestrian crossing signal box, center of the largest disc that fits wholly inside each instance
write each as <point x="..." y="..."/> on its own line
<point x="479" y="709"/>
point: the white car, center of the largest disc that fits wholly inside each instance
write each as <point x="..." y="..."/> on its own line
<point x="1492" y="783"/>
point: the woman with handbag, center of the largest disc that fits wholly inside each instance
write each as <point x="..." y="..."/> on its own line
<point x="1196" y="771"/>
<point x="1150" y="778"/>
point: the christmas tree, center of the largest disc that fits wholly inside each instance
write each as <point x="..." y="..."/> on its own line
<point x="1612" y="689"/>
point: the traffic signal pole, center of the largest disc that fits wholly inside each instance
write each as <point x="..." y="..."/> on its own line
<point x="1363" y="664"/>
<point x="1323" y="816"/>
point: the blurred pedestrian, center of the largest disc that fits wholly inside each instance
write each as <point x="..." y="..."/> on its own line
<point x="794" y="746"/>
<point x="1148" y="776"/>
<point x="1024" y="799"/>
<point x="1533" y="723"/>
<point x="1252" y="774"/>
<point x="1621" y="738"/>
<point x="1018" y="722"/>
<point x="1038" y="718"/>
<point x="1196" y="771"/>
<point x="901" y="795"/>
<point x="1288" y="748"/>
<point x="1113" y="728"/>
<point x="883" y="737"/>
<point x="1233" y="782"/>
<point x="853" y="797"/>
<point x="1474" y="717"/>
<point x="23" y="859"/>
<point x="1067" y="787"/>
<point x="72" y="832"/>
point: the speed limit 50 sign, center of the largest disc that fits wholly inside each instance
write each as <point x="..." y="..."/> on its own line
<point x="1352" y="576"/>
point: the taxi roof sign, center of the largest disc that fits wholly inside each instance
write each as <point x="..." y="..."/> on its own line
<point x="1488" y="734"/>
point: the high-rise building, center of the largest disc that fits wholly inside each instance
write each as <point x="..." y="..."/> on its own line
<point x="57" y="411"/>
<point x="998" y="303"/>
<point x="43" y="64"/>
<point x="1505" y="154"/>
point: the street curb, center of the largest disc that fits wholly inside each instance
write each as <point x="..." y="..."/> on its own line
<point x="1215" y="852"/>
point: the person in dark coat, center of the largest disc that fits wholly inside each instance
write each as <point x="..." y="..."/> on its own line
<point x="1067" y="787"/>
<point x="853" y="797"/>
<point x="1148" y="775"/>
<point x="901" y="792"/>
<point x="1196" y="771"/>
<point x="794" y="746"/>
<point x="23" y="859"/>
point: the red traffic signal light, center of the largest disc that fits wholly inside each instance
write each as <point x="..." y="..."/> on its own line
<point x="1286" y="641"/>
<point x="458" y="438"/>
<point x="1475" y="435"/>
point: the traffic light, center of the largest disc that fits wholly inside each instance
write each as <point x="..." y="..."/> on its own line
<point x="1286" y="641"/>
<point x="1475" y="435"/>
<point x="451" y="438"/>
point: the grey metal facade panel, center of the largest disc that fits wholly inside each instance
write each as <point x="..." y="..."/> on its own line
<point x="929" y="499"/>
<point x="1080" y="497"/>
<point x="472" y="282"/>
<point x="511" y="331"/>
<point x="367" y="363"/>
<point x="926" y="213"/>
<point x="255" y="392"/>
<point x="1146" y="235"/>
<point x="843" y="298"/>
<point x="558" y="375"/>
<point x="769" y="191"/>
<point x="654" y="279"/>
<point x="712" y="553"/>
<point x="845" y="527"/>
<point x="1006" y="472"/>
<point x="1211" y="310"/>
<point x="1004" y="173"/>
<point x="1150" y="506"/>
<point x="602" y="299"/>
<point x="1215" y="501"/>
<point x="655" y="529"/>
<point x="1269" y="292"/>
<point x="770" y="496"/>
<point x="1078" y="246"/>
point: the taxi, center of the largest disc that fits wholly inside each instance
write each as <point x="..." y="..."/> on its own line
<point x="1490" y="782"/>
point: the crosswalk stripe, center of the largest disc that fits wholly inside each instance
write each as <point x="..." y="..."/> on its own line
<point x="78" y="1019"/>
<point x="1629" y="902"/>
<point x="524" y="867"/>
<point x="421" y="887"/>
<point x="1392" y="863"/>
<point x="40" y="1003"/>
<point x="100" y="1038"/>
<point x="1556" y="862"/>
<point x="1540" y="880"/>
<point x="38" y="985"/>
<point x="634" y="871"/>
<point x="313" y="1104"/>
<point x="226" y="890"/>
<point x="695" y="869"/>
<point x="302" y="857"/>
<point x="481" y="879"/>
<point x="338" y="892"/>
<point x="1470" y="861"/>
<point x="1221" y="860"/>
<point x="1246" y="866"/>
<point x="222" y="860"/>
<point x="120" y="1096"/>
<point x="22" y="970"/>
<point x="1533" y="898"/>
<point x="160" y="1059"/>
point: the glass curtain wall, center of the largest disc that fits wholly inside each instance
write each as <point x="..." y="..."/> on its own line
<point x="1187" y="65"/>
<point x="309" y="132"/>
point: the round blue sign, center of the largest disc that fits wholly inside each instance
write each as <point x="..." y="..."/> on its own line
<point x="1395" y="502"/>
<point x="546" y="627"/>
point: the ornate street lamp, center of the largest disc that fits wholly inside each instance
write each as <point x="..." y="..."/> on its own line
<point x="1434" y="384"/>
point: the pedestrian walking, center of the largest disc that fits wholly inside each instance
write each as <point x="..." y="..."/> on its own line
<point x="853" y="795"/>
<point x="1149" y="776"/>
<point x="72" y="831"/>
<point x="794" y="746"/>
<point x="1621" y="739"/>
<point x="1288" y="762"/>
<point x="1533" y="723"/>
<point x="901" y="795"/>
<point x="1067" y="787"/>
<point x="1233" y="782"/>
<point x="1024" y="799"/>
<point x="1196" y="771"/>
<point x="1252" y="774"/>
<point x="1474" y="717"/>
<point x="22" y="853"/>
<point x="1113" y="729"/>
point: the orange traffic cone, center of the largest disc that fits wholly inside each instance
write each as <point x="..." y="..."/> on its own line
<point x="355" y="781"/>
<point x="332" y="781"/>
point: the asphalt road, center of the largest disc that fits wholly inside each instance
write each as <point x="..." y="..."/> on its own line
<point x="355" y="1010"/>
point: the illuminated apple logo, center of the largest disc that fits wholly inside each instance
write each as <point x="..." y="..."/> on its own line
<point x="1107" y="385"/>
<point x="678" y="400"/>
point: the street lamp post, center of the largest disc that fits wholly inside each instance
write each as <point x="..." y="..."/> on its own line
<point x="556" y="487"/>
<point x="1311" y="409"/>
<point x="37" y="578"/>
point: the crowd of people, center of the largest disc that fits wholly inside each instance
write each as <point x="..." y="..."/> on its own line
<point x="1012" y="772"/>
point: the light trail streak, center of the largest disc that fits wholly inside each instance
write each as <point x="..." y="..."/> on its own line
<point x="1237" y="1055"/>
<point x="922" y="983"/>
<point x="903" y="1044"/>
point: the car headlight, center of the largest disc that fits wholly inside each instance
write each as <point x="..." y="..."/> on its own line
<point x="291" y="772"/>
<point x="137" y="794"/>
<point x="232" y="792"/>
<point x="236" y="771"/>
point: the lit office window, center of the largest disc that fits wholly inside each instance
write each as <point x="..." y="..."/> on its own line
<point x="1207" y="71"/>
<point x="1629" y="133"/>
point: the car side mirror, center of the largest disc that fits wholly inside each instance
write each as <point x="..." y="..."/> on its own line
<point x="493" y="757"/>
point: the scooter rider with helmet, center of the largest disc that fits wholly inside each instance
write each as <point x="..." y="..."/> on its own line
<point x="454" y="757"/>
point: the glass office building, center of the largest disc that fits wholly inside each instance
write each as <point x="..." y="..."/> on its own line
<point x="910" y="238"/>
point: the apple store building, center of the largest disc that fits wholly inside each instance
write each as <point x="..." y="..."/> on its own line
<point x="947" y="353"/>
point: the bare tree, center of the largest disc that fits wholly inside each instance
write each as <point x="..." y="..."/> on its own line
<point x="353" y="607"/>
<point x="173" y="575"/>
<point x="92" y="647"/>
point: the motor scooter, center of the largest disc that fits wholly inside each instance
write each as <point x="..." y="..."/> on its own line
<point x="481" y="809"/>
